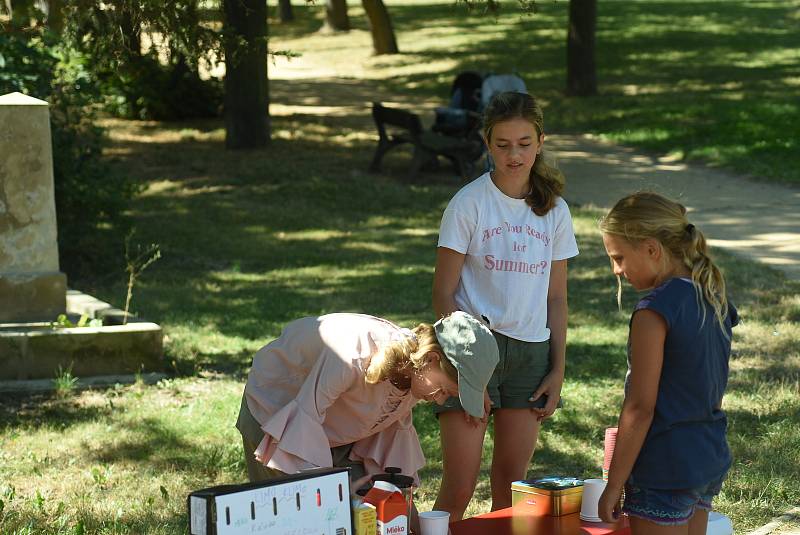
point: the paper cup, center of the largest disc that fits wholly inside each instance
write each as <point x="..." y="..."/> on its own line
<point x="592" y="489"/>
<point x="718" y="524"/>
<point x="434" y="522"/>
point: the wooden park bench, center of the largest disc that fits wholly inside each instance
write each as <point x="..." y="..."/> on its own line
<point x="398" y="127"/>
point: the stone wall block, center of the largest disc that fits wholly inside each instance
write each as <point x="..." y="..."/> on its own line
<point x="88" y="351"/>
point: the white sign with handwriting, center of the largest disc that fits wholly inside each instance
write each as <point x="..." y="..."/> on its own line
<point x="314" y="506"/>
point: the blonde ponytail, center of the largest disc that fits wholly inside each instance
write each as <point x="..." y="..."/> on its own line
<point x="405" y="353"/>
<point x="706" y="276"/>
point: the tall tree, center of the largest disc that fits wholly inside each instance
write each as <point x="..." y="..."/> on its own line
<point x="130" y="29"/>
<point x="336" y="19"/>
<point x="581" y="69"/>
<point x="55" y="15"/>
<point x="285" y="10"/>
<point x="110" y="33"/>
<point x="380" y="24"/>
<point x="247" y="122"/>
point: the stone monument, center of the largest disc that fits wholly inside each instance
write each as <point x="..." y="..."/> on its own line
<point x="31" y="286"/>
<point x="33" y="292"/>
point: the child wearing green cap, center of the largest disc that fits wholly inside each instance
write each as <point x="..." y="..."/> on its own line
<point x="337" y="390"/>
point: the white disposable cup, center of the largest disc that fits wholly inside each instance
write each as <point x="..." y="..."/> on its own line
<point x="434" y="522"/>
<point x="718" y="524"/>
<point x="592" y="489"/>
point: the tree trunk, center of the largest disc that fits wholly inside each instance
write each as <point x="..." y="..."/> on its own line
<point x="581" y="70"/>
<point x="383" y="40"/>
<point x="55" y="15"/>
<point x="246" y="90"/>
<point x="130" y="27"/>
<point x="336" y="19"/>
<point x="285" y="10"/>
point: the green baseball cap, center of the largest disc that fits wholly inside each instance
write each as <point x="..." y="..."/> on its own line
<point x="471" y="348"/>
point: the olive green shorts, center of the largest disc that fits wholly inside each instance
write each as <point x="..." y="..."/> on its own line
<point x="252" y="435"/>
<point x="519" y="373"/>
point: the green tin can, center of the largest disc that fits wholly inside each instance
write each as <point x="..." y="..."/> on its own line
<point x="552" y="495"/>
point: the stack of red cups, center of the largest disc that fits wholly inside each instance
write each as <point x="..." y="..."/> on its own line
<point x="608" y="450"/>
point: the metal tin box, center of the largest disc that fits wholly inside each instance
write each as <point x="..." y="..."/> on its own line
<point x="554" y="496"/>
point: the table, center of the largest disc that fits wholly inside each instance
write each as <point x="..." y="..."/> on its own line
<point x="518" y="521"/>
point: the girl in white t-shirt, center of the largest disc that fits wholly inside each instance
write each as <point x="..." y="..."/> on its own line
<point x="503" y="247"/>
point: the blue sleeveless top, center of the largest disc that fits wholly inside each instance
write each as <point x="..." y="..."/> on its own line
<point x="686" y="445"/>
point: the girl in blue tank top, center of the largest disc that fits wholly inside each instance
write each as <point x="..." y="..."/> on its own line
<point x="671" y="453"/>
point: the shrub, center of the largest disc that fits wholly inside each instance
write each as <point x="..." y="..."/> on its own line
<point x="144" y="88"/>
<point x="87" y="196"/>
<point x="163" y="83"/>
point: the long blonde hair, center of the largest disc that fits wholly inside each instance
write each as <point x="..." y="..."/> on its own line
<point x="547" y="182"/>
<point x="646" y="215"/>
<point x="408" y="352"/>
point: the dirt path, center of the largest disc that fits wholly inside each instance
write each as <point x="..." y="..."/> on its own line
<point x="755" y="219"/>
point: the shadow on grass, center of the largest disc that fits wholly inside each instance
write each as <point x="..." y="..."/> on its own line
<point x="588" y="363"/>
<point x="773" y="370"/>
<point x="161" y="448"/>
<point x="155" y="443"/>
<point x="32" y="411"/>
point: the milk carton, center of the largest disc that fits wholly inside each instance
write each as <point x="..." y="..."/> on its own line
<point x="391" y="508"/>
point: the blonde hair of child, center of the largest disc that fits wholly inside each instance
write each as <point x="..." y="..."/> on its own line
<point x="400" y="354"/>
<point x="547" y="182"/>
<point x="646" y="215"/>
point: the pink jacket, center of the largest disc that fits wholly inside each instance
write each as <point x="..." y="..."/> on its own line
<point x="307" y="390"/>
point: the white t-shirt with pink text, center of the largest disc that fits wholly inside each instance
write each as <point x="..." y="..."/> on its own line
<point x="509" y="250"/>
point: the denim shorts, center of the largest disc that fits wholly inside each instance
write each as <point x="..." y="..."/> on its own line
<point x="519" y="372"/>
<point x="668" y="507"/>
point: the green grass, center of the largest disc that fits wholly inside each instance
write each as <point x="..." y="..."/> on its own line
<point x="251" y="240"/>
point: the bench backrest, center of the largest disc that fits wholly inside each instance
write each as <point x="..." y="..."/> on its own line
<point x="405" y="120"/>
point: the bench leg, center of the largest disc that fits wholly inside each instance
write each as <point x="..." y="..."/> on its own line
<point x="380" y="151"/>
